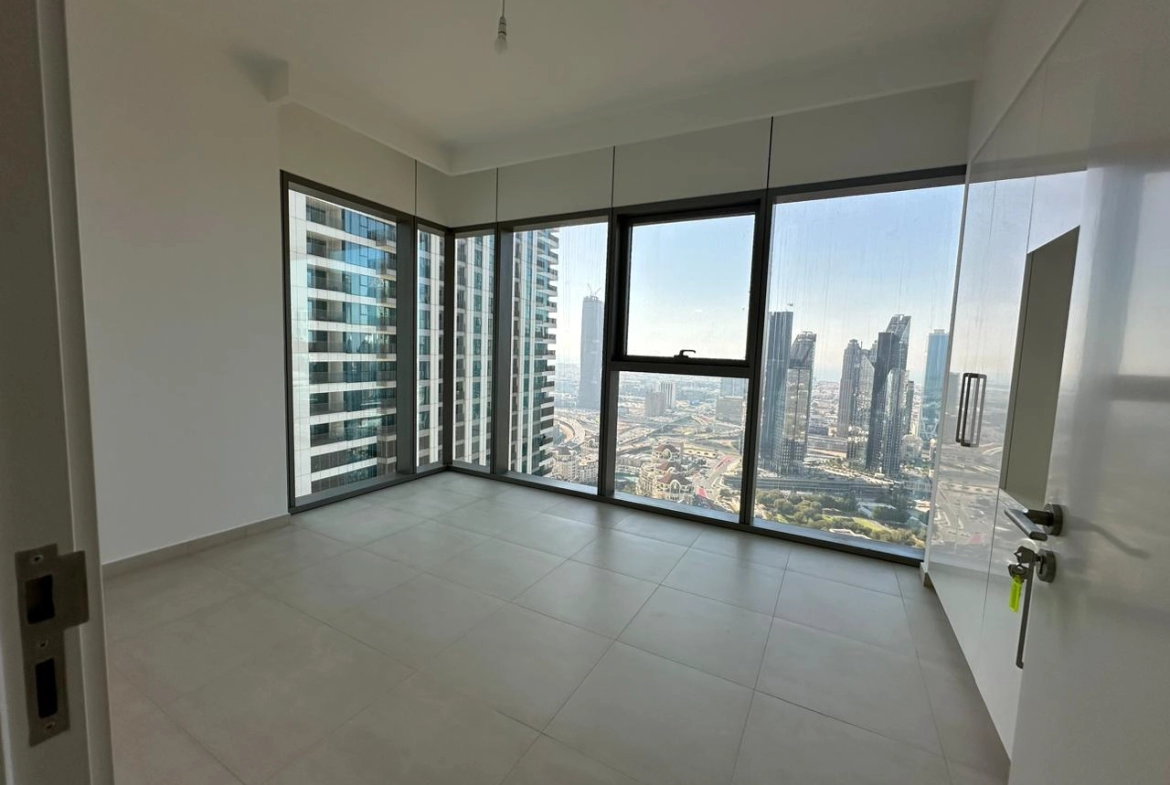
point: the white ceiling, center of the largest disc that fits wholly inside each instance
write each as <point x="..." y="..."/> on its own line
<point x="588" y="72"/>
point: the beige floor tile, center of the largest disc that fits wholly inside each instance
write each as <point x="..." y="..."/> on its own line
<point x="264" y="558"/>
<point x="785" y="743"/>
<point x="655" y="720"/>
<point x="661" y="527"/>
<point x="845" y="568"/>
<point x="717" y="638"/>
<point x="548" y="762"/>
<point x="341" y="583"/>
<point x="260" y="716"/>
<point x="428" y="502"/>
<point x="498" y="568"/>
<point x="746" y="584"/>
<point x="590" y="597"/>
<point x="964" y="727"/>
<point x="548" y="533"/>
<point x="479" y="487"/>
<point x="588" y="511"/>
<point x="487" y="516"/>
<point x="863" y="685"/>
<point x="864" y="615"/>
<point x="965" y="775"/>
<point x="417" y="620"/>
<point x="150" y="749"/>
<point x="422" y="733"/>
<point x="629" y="554"/>
<point x="145" y="598"/>
<point x="756" y="548"/>
<point x="426" y="545"/>
<point x="933" y="637"/>
<point x="910" y="584"/>
<point x="363" y="527"/>
<point x="529" y="498"/>
<point x="524" y="664"/>
<point x="180" y="656"/>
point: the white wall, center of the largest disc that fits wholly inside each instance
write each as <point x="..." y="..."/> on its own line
<point x="177" y="176"/>
<point x="1021" y="34"/>
<point x="315" y="147"/>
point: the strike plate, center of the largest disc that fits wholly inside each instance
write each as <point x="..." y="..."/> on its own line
<point x="53" y="596"/>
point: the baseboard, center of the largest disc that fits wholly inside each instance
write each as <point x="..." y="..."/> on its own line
<point x="150" y="558"/>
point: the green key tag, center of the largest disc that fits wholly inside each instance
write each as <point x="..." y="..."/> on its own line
<point x="1017" y="590"/>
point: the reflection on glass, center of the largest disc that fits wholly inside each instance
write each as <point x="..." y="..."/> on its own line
<point x="689" y="286"/>
<point x="680" y="439"/>
<point x="474" y="284"/>
<point x="344" y="351"/>
<point x="854" y="362"/>
<point x="557" y="322"/>
<point x="429" y="364"/>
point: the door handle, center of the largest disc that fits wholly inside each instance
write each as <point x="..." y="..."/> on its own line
<point x="1038" y="524"/>
<point x="968" y="427"/>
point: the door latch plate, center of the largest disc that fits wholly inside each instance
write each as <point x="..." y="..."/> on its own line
<point x="53" y="596"/>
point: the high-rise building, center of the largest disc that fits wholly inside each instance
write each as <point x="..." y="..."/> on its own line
<point x="733" y="387"/>
<point x="857" y="440"/>
<point x="343" y="270"/>
<point x="534" y="274"/>
<point x="778" y="345"/>
<point x="592" y="330"/>
<point x="474" y="288"/>
<point x="886" y="421"/>
<point x="848" y="391"/>
<point x="655" y="405"/>
<point x="932" y="391"/>
<point x="907" y="407"/>
<point x="798" y="401"/>
<point x="729" y="408"/>
<point x="669" y="392"/>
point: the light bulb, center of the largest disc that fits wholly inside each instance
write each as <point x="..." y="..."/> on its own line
<point x="502" y="36"/>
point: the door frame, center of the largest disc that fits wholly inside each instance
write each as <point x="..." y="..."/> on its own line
<point x="46" y="458"/>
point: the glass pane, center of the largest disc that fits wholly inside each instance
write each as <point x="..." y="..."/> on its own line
<point x="680" y="439"/>
<point x="474" y="284"/>
<point x="342" y="296"/>
<point x="557" y="323"/>
<point x="689" y="287"/>
<point x="429" y="368"/>
<point x="859" y="301"/>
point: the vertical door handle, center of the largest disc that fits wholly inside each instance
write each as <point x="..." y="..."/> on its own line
<point x="961" y="415"/>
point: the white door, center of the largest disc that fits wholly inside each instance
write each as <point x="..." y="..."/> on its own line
<point x="1095" y="691"/>
<point x="55" y="732"/>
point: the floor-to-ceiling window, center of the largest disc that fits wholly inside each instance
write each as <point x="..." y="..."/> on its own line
<point x="474" y="290"/>
<point x="684" y="359"/>
<point x="343" y="343"/>
<point x="558" y="286"/>
<point x="854" y="358"/>
<point x="429" y="356"/>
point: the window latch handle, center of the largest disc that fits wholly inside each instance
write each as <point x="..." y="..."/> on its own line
<point x="682" y="354"/>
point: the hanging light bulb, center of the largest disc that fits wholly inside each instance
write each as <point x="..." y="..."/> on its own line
<point x="502" y="30"/>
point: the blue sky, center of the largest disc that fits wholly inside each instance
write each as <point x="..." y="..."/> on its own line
<point x="845" y="265"/>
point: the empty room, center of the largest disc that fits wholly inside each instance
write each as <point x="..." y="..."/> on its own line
<point x="474" y="392"/>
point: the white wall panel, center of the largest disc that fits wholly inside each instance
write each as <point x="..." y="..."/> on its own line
<point x="315" y="147"/>
<point x="922" y="129"/>
<point x="721" y="160"/>
<point x="179" y="216"/>
<point x="566" y="184"/>
<point x="434" y="189"/>
<point x="472" y="198"/>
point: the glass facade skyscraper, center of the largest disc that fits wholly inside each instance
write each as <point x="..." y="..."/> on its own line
<point x="938" y="342"/>
<point x="778" y="341"/>
<point x="343" y="270"/>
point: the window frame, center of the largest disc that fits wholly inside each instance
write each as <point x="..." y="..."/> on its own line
<point x="405" y="274"/>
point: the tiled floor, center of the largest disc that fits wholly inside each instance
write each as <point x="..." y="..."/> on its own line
<point x="458" y="630"/>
